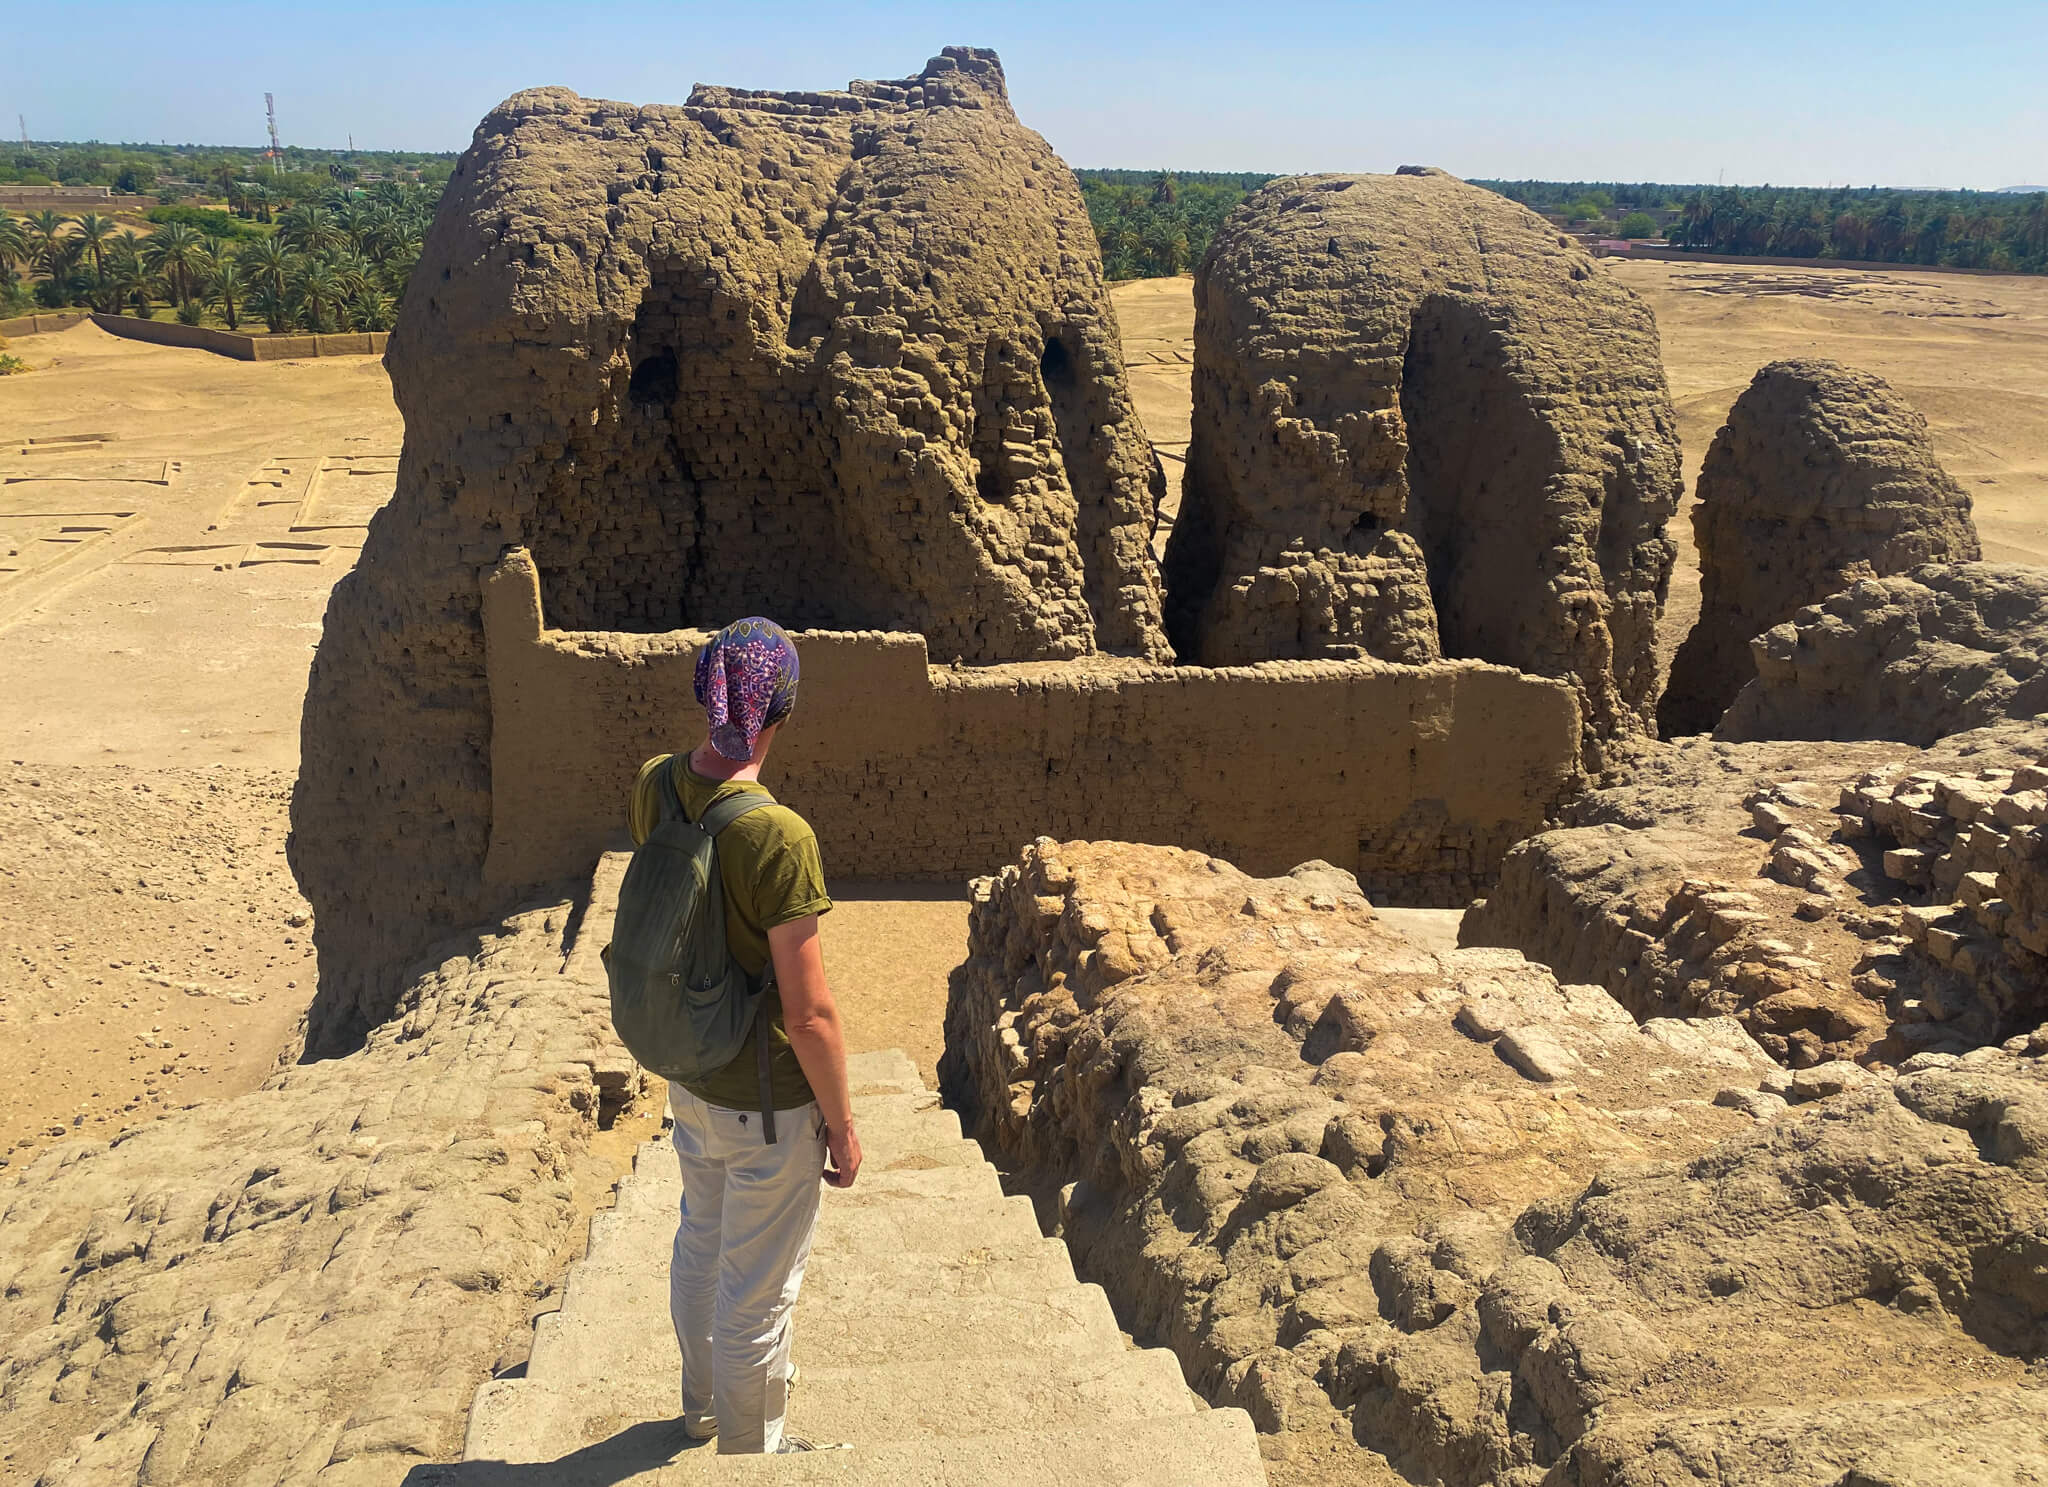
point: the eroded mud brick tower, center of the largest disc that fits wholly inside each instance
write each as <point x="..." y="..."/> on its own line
<point x="848" y="359"/>
<point x="1424" y="425"/>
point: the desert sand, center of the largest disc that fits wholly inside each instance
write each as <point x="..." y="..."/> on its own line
<point x="173" y="522"/>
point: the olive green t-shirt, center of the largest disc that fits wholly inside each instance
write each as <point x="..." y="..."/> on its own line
<point x="769" y="864"/>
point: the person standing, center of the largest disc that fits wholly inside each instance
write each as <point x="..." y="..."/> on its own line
<point x="751" y="1178"/>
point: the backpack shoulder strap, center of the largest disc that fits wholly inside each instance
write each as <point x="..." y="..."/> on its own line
<point x="722" y="813"/>
<point x="668" y="801"/>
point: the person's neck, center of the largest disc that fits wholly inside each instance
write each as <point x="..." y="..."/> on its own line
<point x="713" y="765"/>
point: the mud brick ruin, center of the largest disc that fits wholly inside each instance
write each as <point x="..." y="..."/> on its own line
<point x="1424" y="425"/>
<point x="1715" y="1150"/>
<point x="1822" y="476"/>
<point x="847" y="359"/>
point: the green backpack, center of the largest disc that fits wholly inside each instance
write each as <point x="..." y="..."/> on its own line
<point x="681" y="1004"/>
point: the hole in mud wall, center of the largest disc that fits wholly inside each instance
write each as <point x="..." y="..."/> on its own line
<point x="1478" y="459"/>
<point x="653" y="381"/>
<point x="699" y="493"/>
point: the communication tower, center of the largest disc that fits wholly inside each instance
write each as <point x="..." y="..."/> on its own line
<point x="270" y="113"/>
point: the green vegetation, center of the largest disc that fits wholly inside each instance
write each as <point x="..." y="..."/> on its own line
<point x="186" y="170"/>
<point x="2007" y="231"/>
<point x="212" y="223"/>
<point x="336" y="261"/>
<point x="9" y="365"/>
<point x="1153" y="223"/>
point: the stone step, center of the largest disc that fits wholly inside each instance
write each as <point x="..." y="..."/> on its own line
<point x="933" y="1310"/>
<point x="890" y="1126"/>
<point x="534" y="1420"/>
<point x="597" y="1340"/>
<point x="656" y="1178"/>
<point x="884" y="1071"/>
<point x="621" y="1281"/>
<point x="1215" y="1449"/>
<point x="877" y="1187"/>
<point x="954" y="1170"/>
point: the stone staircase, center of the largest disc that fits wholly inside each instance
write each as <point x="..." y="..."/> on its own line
<point x="940" y="1337"/>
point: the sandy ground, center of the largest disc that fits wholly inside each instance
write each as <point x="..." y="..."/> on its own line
<point x="171" y="523"/>
<point x="1970" y="352"/>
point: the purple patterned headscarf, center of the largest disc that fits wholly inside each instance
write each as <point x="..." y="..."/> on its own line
<point x="746" y="679"/>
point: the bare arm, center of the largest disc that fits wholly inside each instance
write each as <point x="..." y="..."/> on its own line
<point x="811" y="1018"/>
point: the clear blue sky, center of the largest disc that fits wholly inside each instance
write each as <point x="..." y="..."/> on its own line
<point x="1743" y="90"/>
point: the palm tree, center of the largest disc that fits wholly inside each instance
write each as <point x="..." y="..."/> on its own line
<point x="175" y="252"/>
<point x="60" y="260"/>
<point x="353" y="272"/>
<point x="13" y="243"/>
<point x="379" y="222"/>
<point x="45" y="230"/>
<point x="2034" y="234"/>
<point x="273" y="306"/>
<point x="115" y="280"/>
<point x="94" y="231"/>
<point x="127" y="278"/>
<point x="400" y="254"/>
<point x="310" y="229"/>
<point x="258" y="198"/>
<point x="356" y="220"/>
<point x="1167" y="244"/>
<point x="319" y="291"/>
<point x="225" y="286"/>
<point x="268" y="263"/>
<point x="370" y="309"/>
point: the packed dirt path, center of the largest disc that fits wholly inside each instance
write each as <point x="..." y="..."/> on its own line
<point x="1969" y="351"/>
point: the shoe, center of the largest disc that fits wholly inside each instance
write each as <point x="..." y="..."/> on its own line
<point x="681" y="1437"/>
<point x="791" y="1444"/>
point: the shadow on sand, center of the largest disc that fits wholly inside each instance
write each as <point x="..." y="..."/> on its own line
<point x="645" y="1447"/>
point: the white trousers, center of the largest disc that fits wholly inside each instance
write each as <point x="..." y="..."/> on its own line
<point x="749" y="1211"/>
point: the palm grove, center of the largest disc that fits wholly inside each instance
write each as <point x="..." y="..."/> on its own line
<point x="336" y="262"/>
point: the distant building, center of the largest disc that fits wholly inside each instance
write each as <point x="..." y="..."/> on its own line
<point x="39" y="196"/>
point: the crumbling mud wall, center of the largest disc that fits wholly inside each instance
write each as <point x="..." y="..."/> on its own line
<point x="844" y="358"/>
<point x="1793" y="887"/>
<point x="1821" y="476"/>
<point x="1417" y="778"/>
<point x="1437" y="1215"/>
<point x="1964" y="841"/>
<point x="1406" y="385"/>
<point x="1942" y="650"/>
<point x="310" y="1281"/>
